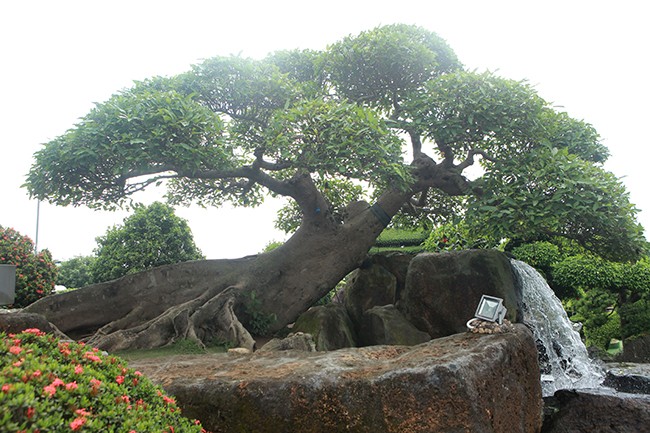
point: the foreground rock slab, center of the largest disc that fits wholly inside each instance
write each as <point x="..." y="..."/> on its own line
<point x="462" y="383"/>
<point x="596" y="411"/>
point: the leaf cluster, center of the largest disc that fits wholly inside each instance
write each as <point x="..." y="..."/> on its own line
<point x="152" y="236"/>
<point x="36" y="272"/>
<point x="51" y="385"/>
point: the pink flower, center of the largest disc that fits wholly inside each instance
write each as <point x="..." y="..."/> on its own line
<point x="119" y="379"/>
<point x="95" y="382"/>
<point x="19" y="362"/>
<point x="91" y="356"/>
<point x="82" y="412"/>
<point x="50" y="390"/>
<point x="77" y="423"/>
<point x="58" y="382"/>
<point x="37" y="373"/>
<point x="78" y="369"/>
<point x="168" y="400"/>
<point x="137" y="373"/>
<point x="15" y="350"/>
<point x="34" y="331"/>
<point x="6" y="387"/>
<point x="30" y="412"/>
<point x="71" y="386"/>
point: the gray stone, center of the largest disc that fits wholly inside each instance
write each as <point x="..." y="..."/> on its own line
<point x="295" y="341"/>
<point x="591" y="411"/>
<point x="462" y="383"/>
<point x="368" y="287"/>
<point x="387" y="325"/>
<point x="329" y="325"/>
<point x="636" y="350"/>
<point x="15" y="321"/>
<point x="443" y="289"/>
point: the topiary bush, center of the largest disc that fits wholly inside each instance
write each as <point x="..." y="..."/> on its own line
<point x="48" y="385"/>
<point x="35" y="272"/>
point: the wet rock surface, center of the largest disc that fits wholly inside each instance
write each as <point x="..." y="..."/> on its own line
<point x="462" y="383"/>
<point x="596" y="411"/>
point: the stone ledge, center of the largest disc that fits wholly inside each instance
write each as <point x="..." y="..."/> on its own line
<point x="464" y="382"/>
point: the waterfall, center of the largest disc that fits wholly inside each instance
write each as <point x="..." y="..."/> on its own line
<point x="563" y="357"/>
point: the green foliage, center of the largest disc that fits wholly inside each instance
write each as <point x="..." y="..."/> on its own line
<point x="233" y="129"/>
<point x="35" y="272"/>
<point x="76" y="272"/>
<point x="152" y="236"/>
<point x="551" y="192"/>
<point x="258" y="322"/>
<point x="141" y="131"/>
<point x="381" y="67"/>
<point x="540" y="255"/>
<point x="454" y="237"/>
<point x="637" y="318"/>
<point x="51" y="385"/>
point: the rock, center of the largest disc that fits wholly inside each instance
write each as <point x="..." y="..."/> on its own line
<point x="462" y="383"/>
<point x="636" y="350"/>
<point x="368" y="287"/>
<point x="589" y="411"/>
<point x="294" y="341"/>
<point x="387" y="325"/>
<point x="15" y="321"/>
<point x="627" y="382"/>
<point x="329" y="325"/>
<point x="396" y="263"/>
<point x="443" y="289"/>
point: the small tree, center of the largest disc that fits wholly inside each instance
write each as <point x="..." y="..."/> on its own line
<point x="152" y="236"/>
<point x="35" y="272"/>
<point x="76" y="272"/>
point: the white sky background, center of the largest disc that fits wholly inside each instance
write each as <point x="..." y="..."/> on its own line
<point x="58" y="57"/>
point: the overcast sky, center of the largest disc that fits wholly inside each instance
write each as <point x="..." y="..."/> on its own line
<point x="58" y="57"/>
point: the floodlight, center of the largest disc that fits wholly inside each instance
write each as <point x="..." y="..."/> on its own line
<point x="491" y="309"/>
<point x="7" y="284"/>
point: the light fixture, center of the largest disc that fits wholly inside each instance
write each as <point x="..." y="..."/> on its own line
<point x="491" y="309"/>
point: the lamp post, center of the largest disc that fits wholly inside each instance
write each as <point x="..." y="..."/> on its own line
<point x="38" y="217"/>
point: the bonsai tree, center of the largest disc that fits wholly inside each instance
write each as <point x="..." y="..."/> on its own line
<point x="390" y="110"/>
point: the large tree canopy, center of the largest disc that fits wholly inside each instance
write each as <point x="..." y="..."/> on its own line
<point x="390" y="110"/>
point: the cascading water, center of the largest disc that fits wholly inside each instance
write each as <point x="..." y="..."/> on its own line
<point x="563" y="358"/>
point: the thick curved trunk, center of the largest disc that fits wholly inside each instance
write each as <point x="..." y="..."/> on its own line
<point x="219" y="300"/>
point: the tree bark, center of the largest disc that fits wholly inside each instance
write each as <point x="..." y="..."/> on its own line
<point x="217" y="301"/>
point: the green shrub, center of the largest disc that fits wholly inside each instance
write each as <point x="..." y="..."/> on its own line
<point x="152" y="236"/>
<point x="76" y="272"/>
<point x="35" y="272"/>
<point x="540" y="255"/>
<point x="47" y="385"/>
<point x="636" y="318"/>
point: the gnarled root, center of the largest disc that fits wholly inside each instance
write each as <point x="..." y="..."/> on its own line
<point x="207" y="319"/>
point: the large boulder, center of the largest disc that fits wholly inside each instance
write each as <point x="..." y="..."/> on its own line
<point x="387" y="325"/>
<point x="329" y="325"/>
<point x="15" y="321"/>
<point x="367" y="287"/>
<point x="462" y="383"/>
<point x="443" y="289"/>
<point x="636" y="349"/>
<point x="590" y="411"/>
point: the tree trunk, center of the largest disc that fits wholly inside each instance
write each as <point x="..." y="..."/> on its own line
<point x="218" y="301"/>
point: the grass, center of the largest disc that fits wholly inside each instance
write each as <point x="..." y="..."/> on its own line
<point x="182" y="347"/>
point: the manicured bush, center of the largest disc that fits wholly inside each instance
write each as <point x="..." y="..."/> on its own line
<point x="48" y="385"/>
<point x="35" y="272"/>
<point x="76" y="272"/>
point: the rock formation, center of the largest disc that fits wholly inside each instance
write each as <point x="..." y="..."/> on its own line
<point x="465" y="383"/>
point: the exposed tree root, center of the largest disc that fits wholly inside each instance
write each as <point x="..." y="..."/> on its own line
<point x="207" y="319"/>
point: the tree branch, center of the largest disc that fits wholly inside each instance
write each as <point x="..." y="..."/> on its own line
<point x="470" y="158"/>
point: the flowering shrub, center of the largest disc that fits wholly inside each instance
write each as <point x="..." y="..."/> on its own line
<point x="35" y="273"/>
<point x="50" y="385"/>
